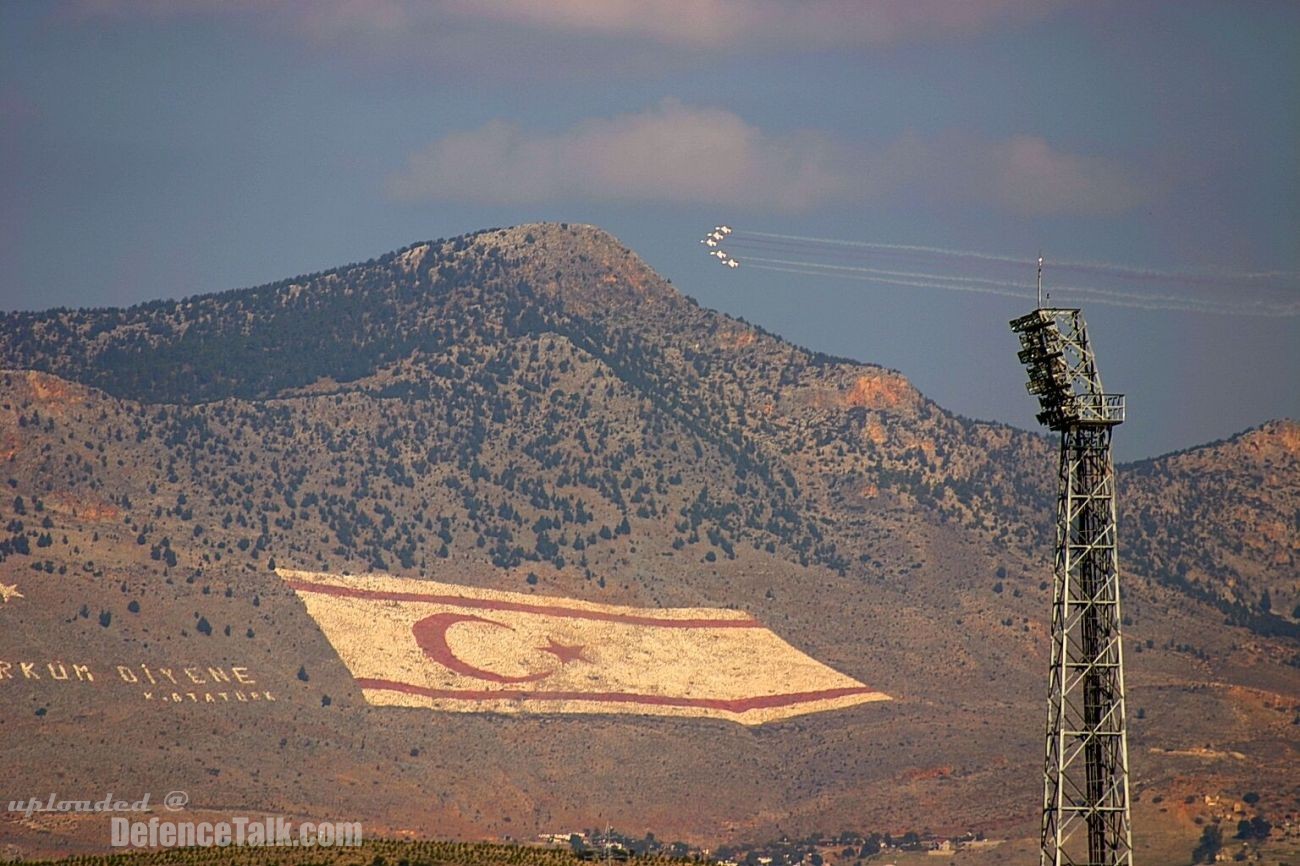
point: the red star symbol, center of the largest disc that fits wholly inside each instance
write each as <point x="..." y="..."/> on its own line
<point x="564" y="652"/>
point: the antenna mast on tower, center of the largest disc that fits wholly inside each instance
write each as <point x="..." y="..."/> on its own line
<point x="1086" y="819"/>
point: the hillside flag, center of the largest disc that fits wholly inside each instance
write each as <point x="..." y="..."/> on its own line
<point x="417" y="643"/>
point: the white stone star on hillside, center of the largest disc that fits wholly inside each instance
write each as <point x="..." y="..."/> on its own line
<point x="8" y="591"/>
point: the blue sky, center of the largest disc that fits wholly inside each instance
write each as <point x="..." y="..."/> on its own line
<point x="159" y="149"/>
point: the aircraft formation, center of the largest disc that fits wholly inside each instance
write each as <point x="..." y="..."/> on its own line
<point x="712" y="241"/>
<point x="1274" y="294"/>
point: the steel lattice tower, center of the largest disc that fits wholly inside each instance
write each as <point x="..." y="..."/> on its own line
<point x="1086" y="819"/>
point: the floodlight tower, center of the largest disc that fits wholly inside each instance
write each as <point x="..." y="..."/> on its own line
<point x="1086" y="819"/>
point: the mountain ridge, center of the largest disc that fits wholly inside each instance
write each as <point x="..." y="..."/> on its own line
<point x="550" y="417"/>
<point x="399" y="323"/>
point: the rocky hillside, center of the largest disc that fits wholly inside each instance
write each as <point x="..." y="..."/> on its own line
<point x="1222" y="522"/>
<point x="533" y="409"/>
<point x="523" y="337"/>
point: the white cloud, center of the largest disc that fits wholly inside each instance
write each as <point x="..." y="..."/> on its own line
<point x="669" y="153"/>
<point x="1028" y="176"/>
<point x="689" y="155"/>
<point x="691" y="24"/>
<point x="729" y="23"/>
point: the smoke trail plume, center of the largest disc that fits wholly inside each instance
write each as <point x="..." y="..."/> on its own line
<point x="1248" y="293"/>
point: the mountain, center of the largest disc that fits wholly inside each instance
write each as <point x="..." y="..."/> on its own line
<point x="534" y="410"/>
<point x="1222" y="522"/>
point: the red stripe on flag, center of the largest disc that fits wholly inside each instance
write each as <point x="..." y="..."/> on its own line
<point x="733" y="705"/>
<point x="518" y="606"/>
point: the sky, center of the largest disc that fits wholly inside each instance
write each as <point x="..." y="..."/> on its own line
<point x="163" y="148"/>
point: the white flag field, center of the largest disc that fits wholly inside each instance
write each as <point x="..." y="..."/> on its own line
<point x="419" y="643"/>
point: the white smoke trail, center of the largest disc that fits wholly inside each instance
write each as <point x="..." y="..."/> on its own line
<point x="739" y="234"/>
<point x="831" y="257"/>
<point x="991" y="287"/>
<point x="890" y="282"/>
<point x="995" y="287"/>
<point x="1102" y="267"/>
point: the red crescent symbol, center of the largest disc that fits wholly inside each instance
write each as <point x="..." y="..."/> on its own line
<point x="431" y="636"/>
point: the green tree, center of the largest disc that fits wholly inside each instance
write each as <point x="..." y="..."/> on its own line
<point x="1210" y="844"/>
